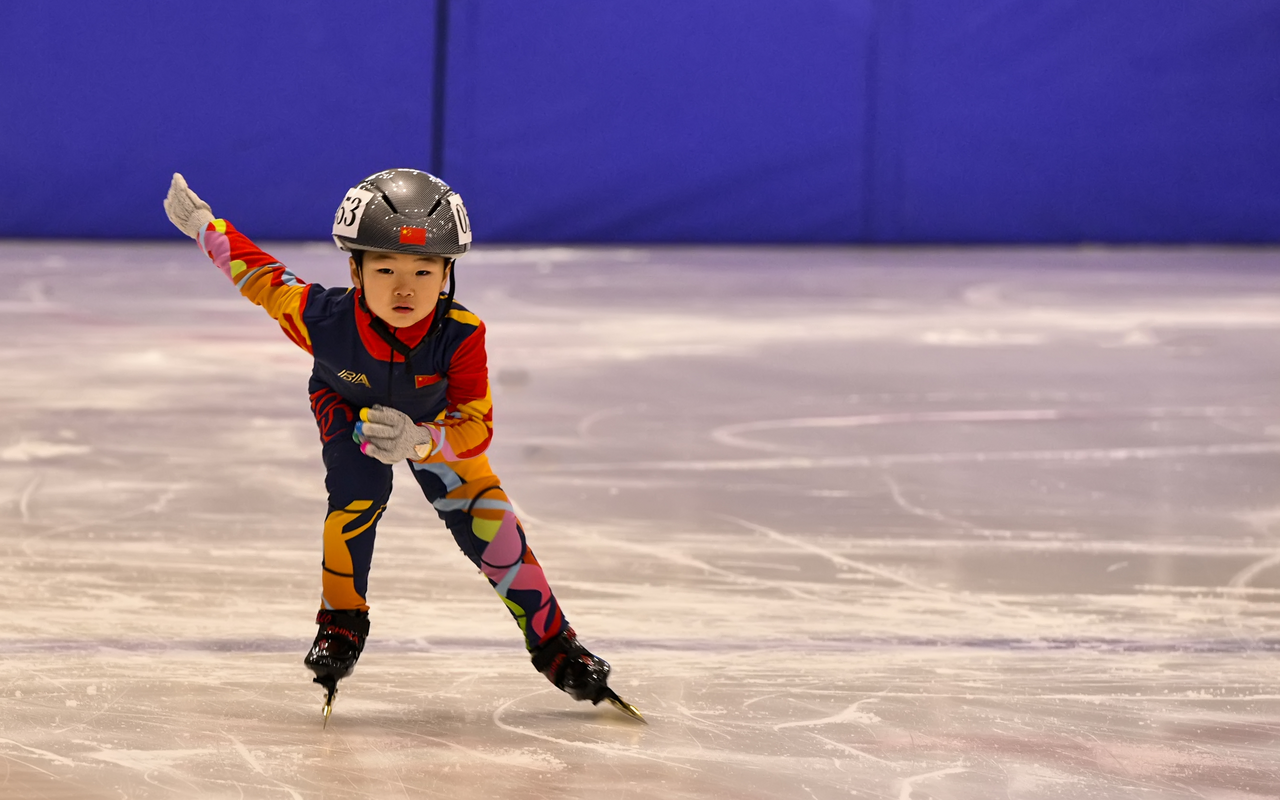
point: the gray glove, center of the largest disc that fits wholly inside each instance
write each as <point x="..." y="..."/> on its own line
<point x="390" y="435"/>
<point x="185" y="208"/>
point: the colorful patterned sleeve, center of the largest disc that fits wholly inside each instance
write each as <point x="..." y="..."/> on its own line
<point x="466" y="425"/>
<point x="259" y="277"/>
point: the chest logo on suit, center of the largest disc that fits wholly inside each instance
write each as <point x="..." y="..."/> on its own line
<point x="425" y="380"/>
<point x="354" y="377"/>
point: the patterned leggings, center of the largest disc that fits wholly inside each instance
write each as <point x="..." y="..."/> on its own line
<point x="465" y="494"/>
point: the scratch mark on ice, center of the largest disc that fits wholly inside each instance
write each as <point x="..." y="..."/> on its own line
<point x="896" y="491"/>
<point x="24" y="503"/>
<point x="850" y="714"/>
<point x="880" y="572"/>
<point x="584" y="425"/>
<point x="246" y="755"/>
<point x="28" y="766"/>
<point x="613" y="750"/>
<point x="54" y="757"/>
<point x="1100" y="454"/>
<point x="853" y="751"/>
<point x="253" y="763"/>
<point x="731" y="434"/>
<point x="667" y="554"/>
<point x="834" y="558"/>
<point x="908" y="784"/>
<point x="164" y="499"/>
<point x="1245" y="576"/>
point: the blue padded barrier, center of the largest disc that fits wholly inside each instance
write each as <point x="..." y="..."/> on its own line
<point x="695" y="121"/>
<point x="1071" y="120"/>
<point x="271" y="109"/>
<point x="662" y="121"/>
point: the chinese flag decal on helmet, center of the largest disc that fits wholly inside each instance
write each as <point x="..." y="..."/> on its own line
<point x="410" y="235"/>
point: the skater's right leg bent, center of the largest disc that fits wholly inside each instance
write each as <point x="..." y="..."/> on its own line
<point x="358" y="488"/>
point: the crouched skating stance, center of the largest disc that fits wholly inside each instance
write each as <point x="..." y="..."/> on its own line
<point x="400" y="373"/>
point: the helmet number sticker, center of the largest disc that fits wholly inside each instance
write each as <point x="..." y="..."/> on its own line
<point x="346" y="220"/>
<point x="460" y="219"/>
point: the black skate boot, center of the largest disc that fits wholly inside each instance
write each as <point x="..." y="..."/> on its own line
<point x="337" y="647"/>
<point x="574" y="670"/>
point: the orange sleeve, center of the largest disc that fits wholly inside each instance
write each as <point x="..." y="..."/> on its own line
<point x="259" y="277"/>
<point x="466" y="425"/>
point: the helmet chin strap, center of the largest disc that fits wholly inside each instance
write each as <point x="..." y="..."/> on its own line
<point x="443" y="306"/>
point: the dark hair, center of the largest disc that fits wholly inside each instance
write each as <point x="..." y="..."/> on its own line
<point x="358" y="257"/>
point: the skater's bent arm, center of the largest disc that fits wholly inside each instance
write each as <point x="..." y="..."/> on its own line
<point x="467" y="422"/>
<point x="259" y="277"/>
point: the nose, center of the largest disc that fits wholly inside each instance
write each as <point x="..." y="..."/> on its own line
<point x="403" y="290"/>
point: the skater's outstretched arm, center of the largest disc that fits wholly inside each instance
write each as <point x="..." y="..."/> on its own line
<point x="257" y="275"/>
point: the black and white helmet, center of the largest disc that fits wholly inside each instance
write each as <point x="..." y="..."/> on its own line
<point x="403" y="211"/>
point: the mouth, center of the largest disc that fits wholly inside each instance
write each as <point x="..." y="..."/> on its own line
<point x="402" y="309"/>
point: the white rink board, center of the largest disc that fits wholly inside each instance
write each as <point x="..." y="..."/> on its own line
<point x="914" y="523"/>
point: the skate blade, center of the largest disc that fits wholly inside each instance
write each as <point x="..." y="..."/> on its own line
<point x="328" y="709"/>
<point x="624" y="706"/>
<point x="331" y="688"/>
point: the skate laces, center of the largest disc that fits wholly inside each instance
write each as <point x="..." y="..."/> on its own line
<point x="348" y="627"/>
<point x="571" y="667"/>
<point x="550" y="656"/>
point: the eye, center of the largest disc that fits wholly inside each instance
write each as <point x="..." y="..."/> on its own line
<point x="422" y="273"/>
<point x="384" y="270"/>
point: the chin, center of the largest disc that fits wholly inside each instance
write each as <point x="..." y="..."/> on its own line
<point x="397" y="321"/>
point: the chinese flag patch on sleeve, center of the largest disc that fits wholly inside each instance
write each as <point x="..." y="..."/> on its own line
<point x="425" y="380"/>
<point x="410" y="235"/>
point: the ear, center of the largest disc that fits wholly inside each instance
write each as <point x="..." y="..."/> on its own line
<point x="355" y="274"/>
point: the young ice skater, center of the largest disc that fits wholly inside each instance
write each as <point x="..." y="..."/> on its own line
<point x="400" y="373"/>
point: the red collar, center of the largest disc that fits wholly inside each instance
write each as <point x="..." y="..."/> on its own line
<point x="379" y="349"/>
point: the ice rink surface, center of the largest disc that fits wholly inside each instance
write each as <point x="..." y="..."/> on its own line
<point x="898" y="524"/>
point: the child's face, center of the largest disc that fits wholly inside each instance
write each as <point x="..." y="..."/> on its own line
<point x="400" y="288"/>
